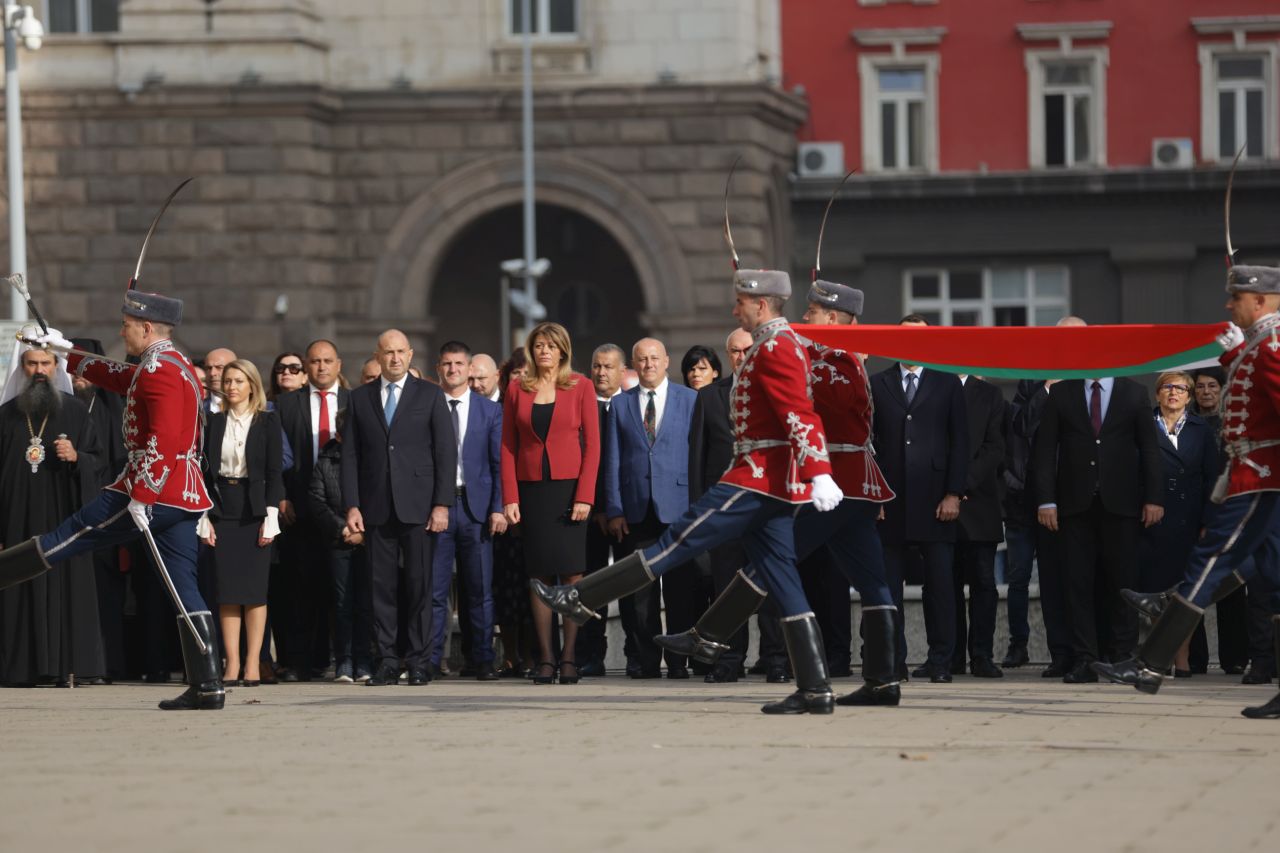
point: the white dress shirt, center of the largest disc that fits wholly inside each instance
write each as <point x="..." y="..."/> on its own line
<point x="608" y="401"/>
<point x="1107" y="383"/>
<point x="231" y="462"/>
<point x="903" y="371"/>
<point x="659" y="403"/>
<point x="313" y="394"/>
<point x="399" y="383"/>
<point x="464" y="409"/>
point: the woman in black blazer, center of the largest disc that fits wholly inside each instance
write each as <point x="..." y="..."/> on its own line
<point x="1189" y="465"/>
<point x="243" y="462"/>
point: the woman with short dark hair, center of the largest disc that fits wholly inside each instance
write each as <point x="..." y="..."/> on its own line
<point x="700" y="367"/>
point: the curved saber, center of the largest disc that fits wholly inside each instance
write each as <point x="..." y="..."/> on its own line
<point x="817" y="258"/>
<point x="142" y="256"/>
<point x="728" y="232"/>
<point x="1226" y="207"/>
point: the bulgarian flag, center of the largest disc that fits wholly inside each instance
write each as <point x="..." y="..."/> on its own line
<point x="1030" y="352"/>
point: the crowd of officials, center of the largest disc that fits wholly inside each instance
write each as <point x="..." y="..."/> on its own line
<point x="351" y="523"/>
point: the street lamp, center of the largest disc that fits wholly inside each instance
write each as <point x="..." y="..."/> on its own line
<point x="20" y="22"/>
<point x="524" y="301"/>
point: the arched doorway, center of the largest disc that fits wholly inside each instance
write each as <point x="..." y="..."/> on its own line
<point x="592" y="289"/>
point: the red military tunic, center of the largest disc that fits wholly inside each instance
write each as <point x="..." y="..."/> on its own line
<point x="842" y="398"/>
<point x="1251" y="412"/>
<point x="162" y="428"/>
<point x="779" y="446"/>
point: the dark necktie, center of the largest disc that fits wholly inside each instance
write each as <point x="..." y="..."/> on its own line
<point x="911" y="387"/>
<point x="322" y="434"/>
<point x="457" y="428"/>
<point x="389" y="410"/>
<point x="651" y="419"/>
<point x="1095" y="407"/>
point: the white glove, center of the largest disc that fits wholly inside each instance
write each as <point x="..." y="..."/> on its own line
<point x="141" y="514"/>
<point x="52" y="339"/>
<point x="1231" y="338"/>
<point x="271" y="524"/>
<point x="203" y="527"/>
<point x="826" y="494"/>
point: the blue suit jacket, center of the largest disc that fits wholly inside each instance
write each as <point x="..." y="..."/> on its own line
<point x="635" y="474"/>
<point x="482" y="458"/>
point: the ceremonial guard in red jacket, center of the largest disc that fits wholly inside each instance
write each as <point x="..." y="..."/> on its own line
<point x="1247" y="520"/>
<point x="780" y="462"/>
<point x="159" y="495"/>
<point x="842" y="399"/>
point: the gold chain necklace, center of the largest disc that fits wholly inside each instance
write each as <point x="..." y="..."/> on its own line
<point x="35" y="451"/>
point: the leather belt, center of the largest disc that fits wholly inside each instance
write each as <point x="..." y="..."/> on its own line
<point x="233" y="481"/>
<point x="741" y="448"/>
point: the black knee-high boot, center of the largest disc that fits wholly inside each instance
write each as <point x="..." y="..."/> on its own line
<point x="21" y="562"/>
<point x="580" y="601"/>
<point x="1271" y="710"/>
<point x="1151" y="604"/>
<point x="709" y="639"/>
<point x="1145" y="670"/>
<point x="881" y="687"/>
<point x="809" y="662"/>
<point x="204" y="672"/>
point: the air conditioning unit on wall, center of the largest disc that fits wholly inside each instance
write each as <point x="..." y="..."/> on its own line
<point x="1172" y="153"/>
<point x="820" y="160"/>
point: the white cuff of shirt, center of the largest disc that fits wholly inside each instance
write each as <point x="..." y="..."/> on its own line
<point x="271" y="524"/>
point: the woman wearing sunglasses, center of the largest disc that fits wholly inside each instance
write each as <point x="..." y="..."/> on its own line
<point x="286" y="375"/>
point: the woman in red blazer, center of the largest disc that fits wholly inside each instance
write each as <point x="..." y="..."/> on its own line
<point x="550" y="457"/>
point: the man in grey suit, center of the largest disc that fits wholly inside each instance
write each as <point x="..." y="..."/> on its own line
<point x="399" y="469"/>
<point x="645" y="466"/>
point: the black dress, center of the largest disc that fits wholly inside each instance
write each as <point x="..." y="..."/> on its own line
<point x="553" y="544"/>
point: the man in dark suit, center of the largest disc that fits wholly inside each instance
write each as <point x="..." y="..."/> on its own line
<point x="981" y="530"/>
<point x="475" y="517"/>
<point x="922" y="443"/>
<point x="710" y="455"/>
<point x="300" y="590"/>
<point x="214" y="362"/>
<point x="607" y="364"/>
<point x="399" y="469"/>
<point x="645" y="464"/>
<point x="1097" y="478"/>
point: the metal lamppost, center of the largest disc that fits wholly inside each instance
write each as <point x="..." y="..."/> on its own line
<point x="532" y="310"/>
<point x="20" y="23"/>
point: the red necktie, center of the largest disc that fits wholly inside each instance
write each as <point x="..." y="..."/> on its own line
<point x="1095" y="407"/>
<point x="322" y="435"/>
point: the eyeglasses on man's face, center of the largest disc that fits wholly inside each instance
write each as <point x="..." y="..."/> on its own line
<point x="288" y="368"/>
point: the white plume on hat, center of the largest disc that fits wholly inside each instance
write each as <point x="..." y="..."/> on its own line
<point x="17" y="379"/>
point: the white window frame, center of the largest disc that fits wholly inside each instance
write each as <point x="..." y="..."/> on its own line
<point x="869" y="68"/>
<point x="944" y="306"/>
<point x="542" y="22"/>
<point x="83" y="14"/>
<point x="1036" y="59"/>
<point x="1210" y="54"/>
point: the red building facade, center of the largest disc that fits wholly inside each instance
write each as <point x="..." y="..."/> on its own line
<point x="1081" y="143"/>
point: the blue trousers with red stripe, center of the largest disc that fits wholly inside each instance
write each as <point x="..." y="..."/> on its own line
<point x="1243" y="526"/>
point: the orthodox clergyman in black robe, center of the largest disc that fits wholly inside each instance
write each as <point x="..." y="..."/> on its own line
<point x="50" y="459"/>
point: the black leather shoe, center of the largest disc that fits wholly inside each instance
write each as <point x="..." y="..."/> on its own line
<point x="563" y="600"/>
<point x="1082" y="674"/>
<point x="203" y="667"/>
<point x="758" y="668"/>
<point x="387" y="674"/>
<point x="1016" y="656"/>
<point x="721" y="675"/>
<point x="1130" y="671"/>
<point x="644" y="673"/>
<point x="1148" y="604"/>
<point x="691" y="644"/>
<point x="803" y="702"/>
<point x="419" y="677"/>
<point x="922" y="671"/>
<point x="777" y="674"/>
<point x="679" y="673"/>
<point x="484" y="672"/>
<point x="592" y="669"/>
<point x="1056" y="669"/>
<point x="1257" y="675"/>
<point x="286" y="675"/>
<point x="872" y="694"/>
<point x="984" y="668"/>
<point x="1233" y="668"/>
<point x="940" y="676"/>
<point x="1269" y="711"/>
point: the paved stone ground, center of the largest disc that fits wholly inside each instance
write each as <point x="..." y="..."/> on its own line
<point x="610" y="764"/>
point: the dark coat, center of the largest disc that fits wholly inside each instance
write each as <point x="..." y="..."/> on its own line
<point x="710" y="437"/>
<point x="482" y="458"/>
<point x="324" y="497"/>
<point x="981" y="517"/>
<point x="1188" y="472"/>
<point x="403" y="470"/>
<point x="1022" y="419"/>
<point x="923" y="450"/>
<point x="295" y="417"/>
<point x="1121" y="464"/>
<point x="262" y="456"/>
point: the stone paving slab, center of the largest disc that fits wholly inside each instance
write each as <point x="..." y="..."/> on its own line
<point x="616" y="765"/>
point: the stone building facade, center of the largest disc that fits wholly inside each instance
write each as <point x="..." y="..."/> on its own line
<point x="362" y="161"/>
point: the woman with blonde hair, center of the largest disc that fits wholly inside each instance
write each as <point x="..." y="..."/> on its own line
<point x="243" y="464"/>
<point x="550" y="456"/>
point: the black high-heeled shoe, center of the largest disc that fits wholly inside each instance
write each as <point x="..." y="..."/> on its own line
<point x="544" y="679"/>
<point x="569" y="679"/>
